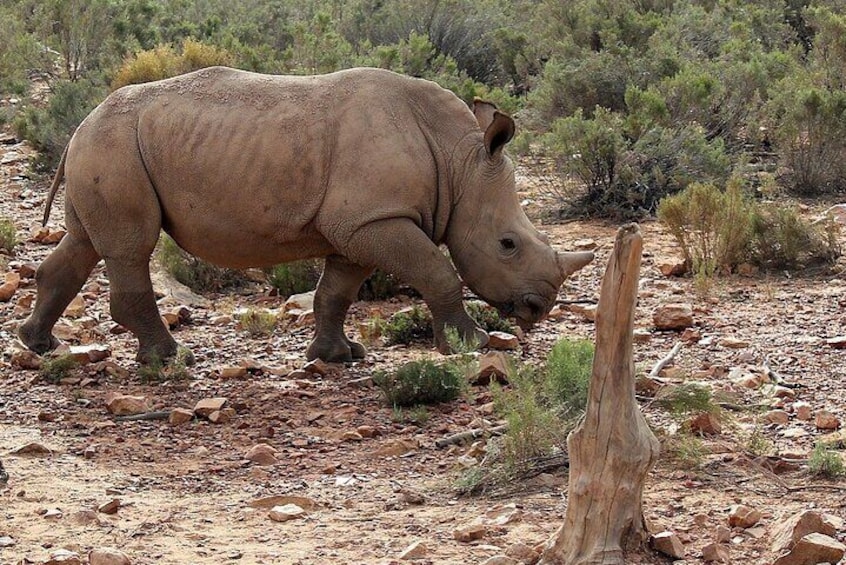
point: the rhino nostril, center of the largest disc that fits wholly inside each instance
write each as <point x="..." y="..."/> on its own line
<point x="536" y="305"/>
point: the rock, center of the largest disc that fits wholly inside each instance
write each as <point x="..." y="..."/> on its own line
<point x="522" y="553"/>
<point x="787" y="533"/>
<point x="32" y="449"/>
<point x="76" y="308"/>
<point x="222" y="416"/>
<point x="779" y="417"/>
<point x="416" y="550"/>
<point x="108" y="556"/>
<point x="303" y="301"/>
<point x="722" y="534"/>
<point x="503" y="340"/>
<point x="7" y="291"/>
<point x="26" y="359"/>
<point x="174" y="292"/>
<point x="63" y="557"/>
<point x="716" y="553"/>
<point x="93" y="353"/>
<point x="126" y="405"/>
<point x="269" y="502"/>
<point x="53" y="514"/>
<point x="208" y="405"/>
<point x="642" y="336"/>
<point x="366" y="431"/>
<point x="802" y="410"/>
<point x="825" y="420"/>
<point x="6" y="541"/>
<point x="85" y="518"/>
<point x="741" y="516"/>
<point x="674" y="316"/>
<point x="233" y="372"/>
<point x="587" y="312"/>
<point x="837" y="342"/>
<point x="733" y="343"/>
<point x="396" y="448"/>
<point x="493" y="366"/>
<point x="671" y="266"/>
<point x="585" y="244"/>
<point x="470" y="532"/>
<point x="669" y="544"/>
<point x="179" y="416"/>
<point x="813" y="549"/>
<point x="705" y="423"/>
<point x="285" y="512"/>
<point x="28" y="270"/>
<point x="262" y="454"/>
<point x="170" y="319"/>
<point x="500" y="560"/>
<point x="110" y="507"/>
<point x="501" y="515"/>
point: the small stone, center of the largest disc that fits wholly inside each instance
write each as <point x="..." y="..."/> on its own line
<point x="722" y="534"/>
<point x="733" y="343"/>
<point x="642" y="336"/>
<point x="317" y="367"/>
<point x="396" y="448"/>
<point x="471" y="532"/>
<point x="587" y="312"/>
<point x="269" y="502"/>
<point x="669" y="544"/>
<point x="32" y="449"/>
<point x="26" y="360"/>
<point x="522" y="553"/>
<point x="671" y="266"/>
<point x="63" y="557"/>
<point x="108" y="556"/>
<point x="416" y="550"/>
<point x="779" y="417"/>
<point x="500" y="560"/>
<point x="170" y="319"/>
<point x="716" y="553"/>
<point x="585" y="244"/>
<point x="501" y="515"/>
<point x="6" y="541"/>
<point x="493" y="366"/>
<point x="285" y="512"/>
<point x="741" y="516"/>
<point x="837" y="342"/>
<point x="7" y="291"/>
<point x="126" y="405"/>
<point x="303" y="301"/>
<point x="351" y="435"/>
<point x="367" y="431"/>
<point x="262" y="454"/>
<point x="84" y="518"/>
<point x="222" y="416"/>
<point x="802" y="410"/>
<point x="705" y="423"/>
<point x="76" y="308"/>
<point x="179" y="416"/>
<point x="110" y="507"/>
<point x="813" y="549"/>
<point x="208" y="405"/>
<point x="825" y="420"/>
<point x="674" y="316"/>
<point x="93" y="353"/>
<point x="503" y="340"/>
<point x="233" y="372"/>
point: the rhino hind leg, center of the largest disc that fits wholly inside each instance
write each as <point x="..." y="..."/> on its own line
<point x="59" y="277"/>
<point x="337" y="289"/>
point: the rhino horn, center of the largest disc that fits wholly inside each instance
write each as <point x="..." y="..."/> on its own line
<point x="569" y="262"/>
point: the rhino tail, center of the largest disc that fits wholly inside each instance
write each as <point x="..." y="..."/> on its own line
<point x="54" y="188"/>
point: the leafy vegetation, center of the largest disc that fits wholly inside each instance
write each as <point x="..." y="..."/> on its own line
<point x="295" y="277"/>
<point x="408" y="326"/>
<point x="198" y="275"/>
<point x="156" y="370"/>
<point x="826" y="462"/>
<point x="421" y="382"/>
<point x="8" y="236"/>
<point x="257" y="323"/>
<point x="54" y="369"/>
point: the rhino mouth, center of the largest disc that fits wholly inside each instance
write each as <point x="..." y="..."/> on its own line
<point x="527" y="310"/>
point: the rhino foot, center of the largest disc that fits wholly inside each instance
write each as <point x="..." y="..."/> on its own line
<point x="165" y="355"/>
<point x="39" y="342"/>
<point x="335" y="351"/>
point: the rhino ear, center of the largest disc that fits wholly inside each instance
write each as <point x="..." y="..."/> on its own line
<point x="498" y="133"/>
<point x="484" y="112"/>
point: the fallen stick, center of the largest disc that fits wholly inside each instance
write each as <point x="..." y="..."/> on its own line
<point x="665" y="361"/>
<point x="159" y="415"/>
<point x="469" y="435"/>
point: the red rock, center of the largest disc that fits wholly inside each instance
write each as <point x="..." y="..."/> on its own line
<point x="26" y="359"/>
<point x="825" y="420"/>
<point x="179" y="416"/>
<point x="471" y="532"/>
<point x="813" y="549"/>
<point x="262" y="454"/>
<point x="108" y="556"/>
<point x="110" y="507"/>
<point x="492" y="366"/>
<point x="787" y="533"/>
<point x="126" y="405"/>
<point x="837" y="342"/>
<point x="673" y="316"/>
<point x="705" y="423"/>
<point x="669" y="544"/>
<point x="716" y="553"/>
<point x="208" y="405"/>
<point x="503" y="340"/>
<point x="741" y="516"/>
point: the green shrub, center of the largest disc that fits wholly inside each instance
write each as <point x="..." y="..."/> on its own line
<point x="295" y="277"/>
<point x="49" y="129"/>
<point x="568" y="371"/>
<point x="405" y="327"/>
<point x="164" y="62"/>
<point x="379" y="286"/>
<point x="257" y="323"/>
<point x="782" y="239"/>
<point x="158" y="371"/>
<point x="826" y="462"/>
<point x="685" y="450"/>
<point x="421" y="382"/>
<point x="196" y="274"/>
<point x="534" y="429"/>
<point x="488" y="318"/>
<point x="8" y="236"/>
<point x="686" y="398"/>
<point x="54" y="369"/>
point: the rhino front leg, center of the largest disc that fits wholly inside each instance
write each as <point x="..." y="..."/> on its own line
<point x="337" y="289"/>
<point x="400" y="247"/>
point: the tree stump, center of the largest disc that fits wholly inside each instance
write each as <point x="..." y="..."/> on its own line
<point x="613" y="448"/>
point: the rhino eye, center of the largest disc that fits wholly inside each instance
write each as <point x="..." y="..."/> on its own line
<point x="507" y="243"/>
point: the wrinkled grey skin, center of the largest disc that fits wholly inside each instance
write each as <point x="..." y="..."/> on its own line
<point x="364" y="167"/>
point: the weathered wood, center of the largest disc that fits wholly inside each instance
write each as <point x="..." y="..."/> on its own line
<point x="613" y="448"/>
<point x="665" y="361"/>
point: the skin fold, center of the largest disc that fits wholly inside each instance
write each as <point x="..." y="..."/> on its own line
<point x="364" y="167"/>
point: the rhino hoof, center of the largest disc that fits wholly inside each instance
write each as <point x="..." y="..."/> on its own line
<point x="335" y="352"/>
<point x="40" y="344"/>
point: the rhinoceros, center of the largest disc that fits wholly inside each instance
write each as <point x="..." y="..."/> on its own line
<point x="365" y="167"/>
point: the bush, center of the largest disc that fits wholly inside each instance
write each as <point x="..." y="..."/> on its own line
<point x="164" y="62"/>
<point x="158" y="371"/>
<point x="488" y="317"/>
<point x="405" y="327"/>
<point x="379" y="286"/>
<point x="54" y="369"/>
<point x="196" y="274"/>
<point x="295" y="277"/>
<point x="568" y="370"/>
<point x="421" y="382"/>
<point x="49" y="129"/>
<point x="826" y="462"/>
<point x="685" y="399"/>
<point x="534" y="429"/>
<point x="257" y="323"/>
<point x="8" y="236"/>
<point x="781" y="239"/>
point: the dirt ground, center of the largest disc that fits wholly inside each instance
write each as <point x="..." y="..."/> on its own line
<point x="188" y="495"/>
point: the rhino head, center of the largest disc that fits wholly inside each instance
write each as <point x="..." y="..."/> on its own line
<point x="497" y="251"/>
